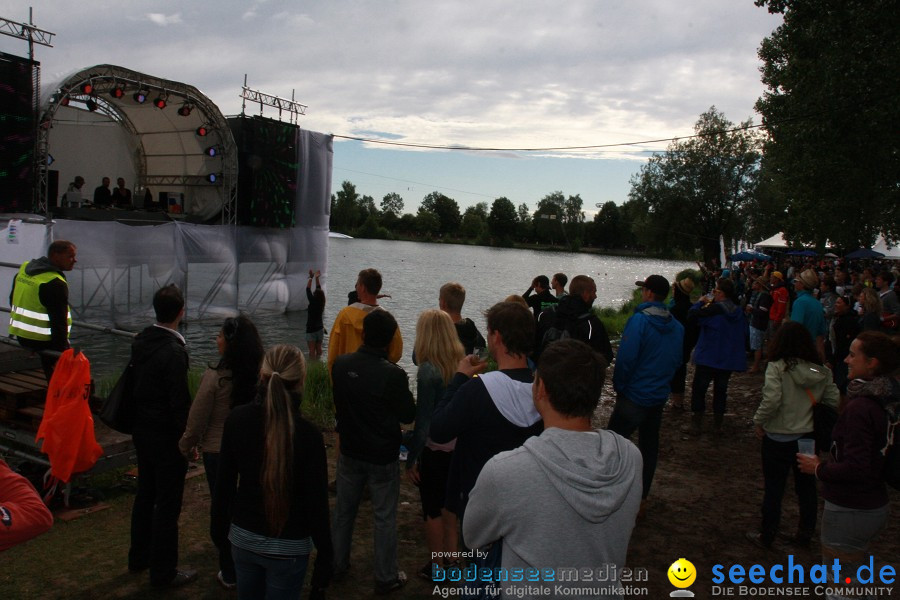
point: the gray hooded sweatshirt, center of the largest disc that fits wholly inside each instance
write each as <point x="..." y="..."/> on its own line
<point x="564" y="500"/>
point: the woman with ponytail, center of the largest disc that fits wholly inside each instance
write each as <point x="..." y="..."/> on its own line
<point x="271" y="497"/>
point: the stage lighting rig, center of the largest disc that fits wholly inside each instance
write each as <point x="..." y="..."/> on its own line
<point x="160" y="102"/>
<point x="213" y="177"/>
<point x="140" y="96"/>
<point x="185" y="110"/>
<point x="203" y="130"/>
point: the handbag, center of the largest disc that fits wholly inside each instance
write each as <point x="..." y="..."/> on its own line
<point x="824" y="419"/>
<point x="118" y="410"/>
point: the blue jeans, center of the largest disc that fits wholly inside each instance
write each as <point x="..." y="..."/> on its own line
<point x="384" y="487"/>
<point x="268" y="577"/>
<point x="628" y="416"/>
<point x="703" y="376"/>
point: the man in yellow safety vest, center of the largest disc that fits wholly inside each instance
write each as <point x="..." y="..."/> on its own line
<point x="39" y="302"/>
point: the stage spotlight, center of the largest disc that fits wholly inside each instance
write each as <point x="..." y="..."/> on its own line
<point x="87" y="88"/>
<point x="160" y="102"/>
<point x="212" y="151"/>
<point x="117" y="92"/>
<point x="213" y="177"/>
<point x="91" y="105"/>
<point x="140" y="97"/>
<point x="64" y="101"/>
<point x="202" y="130"/>
<point x="185" y="110"/>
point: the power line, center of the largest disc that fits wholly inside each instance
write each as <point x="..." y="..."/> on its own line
<point x="547" y="149"/>
<point x="438" y="187"/>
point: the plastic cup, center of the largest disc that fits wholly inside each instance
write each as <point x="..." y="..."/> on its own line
<point x="807" y="446"/>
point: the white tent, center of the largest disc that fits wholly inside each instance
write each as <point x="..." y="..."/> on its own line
<point x="776" y="241"/>
<point x="889" y="251"/>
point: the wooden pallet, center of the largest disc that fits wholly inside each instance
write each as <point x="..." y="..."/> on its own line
<point x="22" y="395"/>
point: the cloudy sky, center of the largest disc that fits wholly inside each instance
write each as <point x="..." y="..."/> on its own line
<point x="507" y="74"/>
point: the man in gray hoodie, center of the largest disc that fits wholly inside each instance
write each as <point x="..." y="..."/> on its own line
<point x="567" y="499"/>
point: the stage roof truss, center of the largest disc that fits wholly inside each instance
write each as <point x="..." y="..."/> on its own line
<point x="26" y="31"/>
<point x="186" y="109"/>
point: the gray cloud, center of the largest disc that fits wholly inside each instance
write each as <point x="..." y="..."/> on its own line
<point x="500" y="73"/>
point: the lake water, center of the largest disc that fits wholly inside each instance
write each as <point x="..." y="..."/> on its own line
<point x="413" y="273"/>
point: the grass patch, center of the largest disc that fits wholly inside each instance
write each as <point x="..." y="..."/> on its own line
<point x="614" y="319"/>
<point x="318" y="401"/>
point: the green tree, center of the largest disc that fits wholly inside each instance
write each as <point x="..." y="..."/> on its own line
<point x="446" y="209"/>
<point x="367" y="208"/>
<point x="345" y="213"/>
<point x="633" y="216"/>
<point x="473" y="224"/>
<point x="573" y="219"/>
<point x="832" y="70"/>
<point x="427" y="222"/>
<point x="392" y="203"/>
<point x="502" y="220"/>
<point x="607" y="225"/>
<point x="549" y="219"/>
<point x="525" y="224"/>
<point x="693" y="192"/>
<point x="408" y="224"/>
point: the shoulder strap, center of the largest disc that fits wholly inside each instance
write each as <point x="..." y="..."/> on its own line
<point x="812" y="399"/>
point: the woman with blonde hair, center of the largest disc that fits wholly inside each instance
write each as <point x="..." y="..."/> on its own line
<point x="271" y="498"/>
<point x="438" y="351"/>
<point x="869" y="310"/>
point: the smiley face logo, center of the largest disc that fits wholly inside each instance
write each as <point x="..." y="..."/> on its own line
<point x="682" y="573"/>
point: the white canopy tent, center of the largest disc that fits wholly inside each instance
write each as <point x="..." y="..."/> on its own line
<point x="776" y="241"/>
<point x="889" y="251"/>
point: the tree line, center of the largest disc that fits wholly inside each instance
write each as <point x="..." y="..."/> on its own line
<point x="558" y="220"/>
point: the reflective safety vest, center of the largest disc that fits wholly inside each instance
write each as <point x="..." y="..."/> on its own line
<point x="28" y="317"/>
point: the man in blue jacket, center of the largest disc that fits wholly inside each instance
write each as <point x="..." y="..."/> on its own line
<point x="649" y="354"/>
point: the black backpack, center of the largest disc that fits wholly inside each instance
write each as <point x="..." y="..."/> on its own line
<point x="561" y="328"/>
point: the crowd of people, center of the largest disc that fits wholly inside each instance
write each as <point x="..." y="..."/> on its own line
<point x="510" y="471"/>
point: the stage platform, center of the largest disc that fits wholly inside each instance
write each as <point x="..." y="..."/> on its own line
<point x="134" y="216"/>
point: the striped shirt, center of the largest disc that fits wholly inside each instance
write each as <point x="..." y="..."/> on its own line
<point x="254" y="542"/>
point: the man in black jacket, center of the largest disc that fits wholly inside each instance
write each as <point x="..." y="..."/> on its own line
<point x="573" y="318"/>
<point x="542" y="298"/>
<point x="371" y="398"/>
<point x="162" y="401"/>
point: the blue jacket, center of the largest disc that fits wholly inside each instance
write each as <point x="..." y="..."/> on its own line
<point x="649" y="354"/>
<point x="723" y="334"/>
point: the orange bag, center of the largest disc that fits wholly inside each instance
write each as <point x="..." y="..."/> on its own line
<point x="68" y="427"/>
